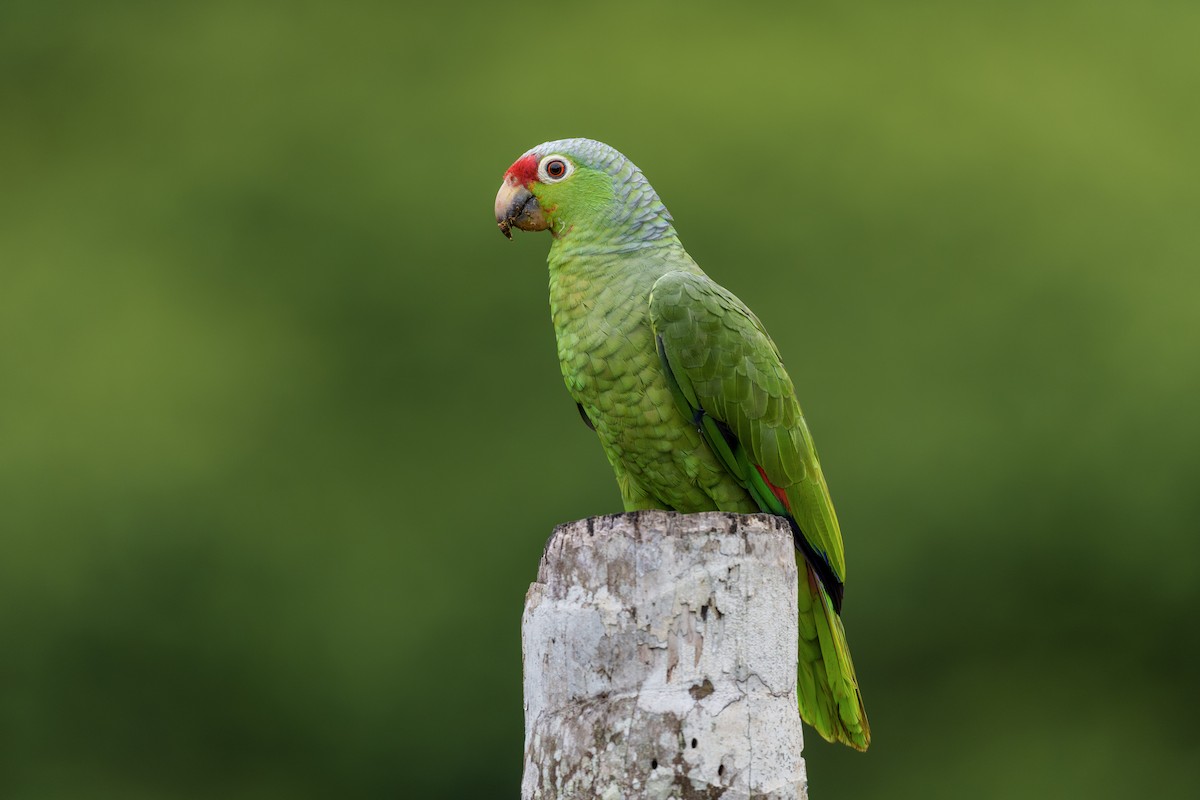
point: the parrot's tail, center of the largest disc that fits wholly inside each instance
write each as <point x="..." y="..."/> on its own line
<point x="829" y="698"/>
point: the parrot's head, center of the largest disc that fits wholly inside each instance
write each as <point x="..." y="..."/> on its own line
<point x="579" y="186"/>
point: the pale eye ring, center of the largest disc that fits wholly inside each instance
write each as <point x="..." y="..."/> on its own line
<point x="554" y="169"/>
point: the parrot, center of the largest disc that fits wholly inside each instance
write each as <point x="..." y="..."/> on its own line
<point x="684" y="388"/>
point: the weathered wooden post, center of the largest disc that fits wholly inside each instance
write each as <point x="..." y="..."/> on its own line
<point x="660" y="661"/>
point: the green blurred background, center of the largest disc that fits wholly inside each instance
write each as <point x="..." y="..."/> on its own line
<point x="282" y="431"/>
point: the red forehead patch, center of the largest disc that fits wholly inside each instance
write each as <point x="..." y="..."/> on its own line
<point x="523" y="171"/>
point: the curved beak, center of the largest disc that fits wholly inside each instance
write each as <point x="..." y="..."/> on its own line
<point x="516" y="207"/>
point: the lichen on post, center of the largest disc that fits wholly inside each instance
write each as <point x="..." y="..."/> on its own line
<point x="660" y="660"/>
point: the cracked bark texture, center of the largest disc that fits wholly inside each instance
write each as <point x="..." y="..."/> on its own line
<point x="660" y="660"/>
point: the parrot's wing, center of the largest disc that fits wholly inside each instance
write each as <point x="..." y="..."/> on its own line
<point x="727" y="376"/>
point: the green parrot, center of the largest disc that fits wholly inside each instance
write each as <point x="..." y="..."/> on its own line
<point x="683" y="386"/>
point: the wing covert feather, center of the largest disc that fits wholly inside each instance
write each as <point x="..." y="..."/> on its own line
<point x="715" y="344"/>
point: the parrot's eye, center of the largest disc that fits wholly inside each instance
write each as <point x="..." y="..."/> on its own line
<point x="554" y="169"/>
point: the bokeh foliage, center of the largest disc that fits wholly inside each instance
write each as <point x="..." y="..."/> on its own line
<point x="282" y="432"/>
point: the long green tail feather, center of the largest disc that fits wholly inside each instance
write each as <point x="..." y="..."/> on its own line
<point x="828" y="690"/>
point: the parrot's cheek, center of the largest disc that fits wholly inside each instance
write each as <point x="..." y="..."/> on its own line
<point x="516" y="207"/>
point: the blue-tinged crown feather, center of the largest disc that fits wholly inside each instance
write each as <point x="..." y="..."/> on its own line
<point x="640" y="213"/>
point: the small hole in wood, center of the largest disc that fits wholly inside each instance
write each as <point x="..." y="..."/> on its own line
<point x="654" y="763"/>
<point x="693" y="744"/>
<point x="721" y="770"/>
<point x="704" y="612"/>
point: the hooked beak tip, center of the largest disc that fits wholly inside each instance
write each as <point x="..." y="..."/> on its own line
<point x="516" y="207"/>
